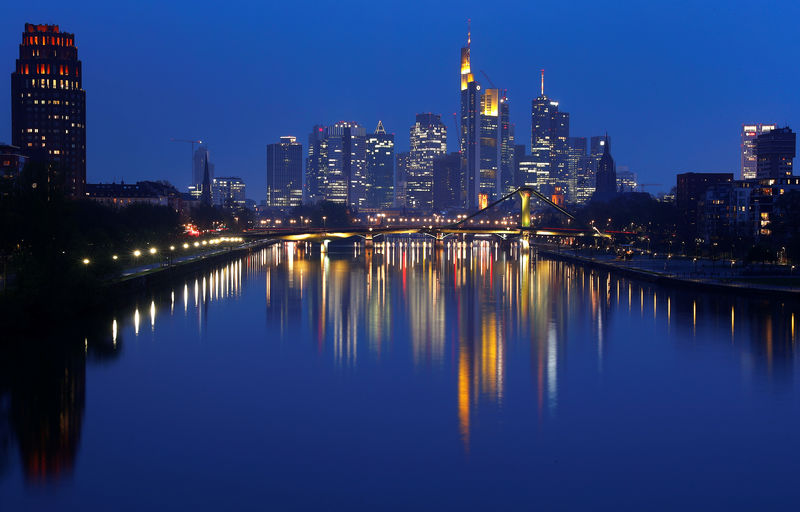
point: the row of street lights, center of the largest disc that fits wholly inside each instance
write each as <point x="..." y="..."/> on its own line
<point x="153" y="251"/>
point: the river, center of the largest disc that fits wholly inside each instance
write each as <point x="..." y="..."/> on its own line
<point x="402" y="378"/>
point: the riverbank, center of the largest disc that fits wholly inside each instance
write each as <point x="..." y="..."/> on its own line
<point x="137" y="282"/>
<point x="716" y="284"/>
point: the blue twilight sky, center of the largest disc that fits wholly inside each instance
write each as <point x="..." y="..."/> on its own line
<point x="670" y="81"/>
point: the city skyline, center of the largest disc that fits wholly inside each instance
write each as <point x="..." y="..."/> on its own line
<point x="610" y="103"/>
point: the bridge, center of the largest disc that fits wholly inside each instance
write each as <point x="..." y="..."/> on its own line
<point x="524" y="232"/>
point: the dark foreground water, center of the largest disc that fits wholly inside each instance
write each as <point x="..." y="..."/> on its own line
<point x="475" y="379"/>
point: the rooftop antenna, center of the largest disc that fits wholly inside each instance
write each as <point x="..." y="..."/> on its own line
<point x="469" y="32"/>
<point x="542" y="82"/>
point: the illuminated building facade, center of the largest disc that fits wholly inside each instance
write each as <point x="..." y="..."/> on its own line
<point x="519" y="156"/>
<point x="507" y="151"/>
<point x="380" y="169"/>
<point x="428" y="140"/>
<point x="550" y="135"/>
<point x="490" y="184"/>
<point x="313" y="188"/>
<point x="285" y="173"/>
<point x="627" y="181"/>
<point x="749" y="134"/>
<point x="401" y="179"/>
<point x="336" y="164"/>
<point x="346" y="160"/>
<point x="48" y="104"/>
<point x="470" y="135"/>
<point x="580" y="179"/>
<point x="229" y="192"/>
<point x="775" y="152"/>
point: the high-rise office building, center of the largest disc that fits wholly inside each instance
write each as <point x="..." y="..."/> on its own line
<point x="336" y="164"/>
<point x="519" y="156"/>
<point x="775" y="152"/>
<point x="606" y="177"/>
<point x="627" y="181"/>
<point x="448" y="192"/>
<point x="285" y="173"/>
<point x="380" y="169"/>
<point x="428" y="139"/>
<point x="470" y="135"/>
<point x="347" y="161"/>
<point x="314" y="186"/>
<point x="576" y="169"/>
<point x="550" y="135"/>
<point x="749" y="134"/>
<point x="229" y="192"/>
<point x="401" y="178"/>
<point x="496" y="146"/>
<point x="490" y="183"/>
<point x="48" y="104"/>
<point x="507" y="151"/>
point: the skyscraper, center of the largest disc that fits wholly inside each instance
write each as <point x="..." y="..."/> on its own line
<point x="336" y="164"/>
<point x="550" y="135"/>
<point x="749" y="134"/>
<point x="229" y="192"/>
<point x="316" y="161"/>
<point x="470" y="128"/>
<point x="775" y="152"/>
<point x="490" y="183"/>
<point x="606" y="179"/>
<point x="507" y="151"/>
<point x="401" y="179"/>
<point x="48" y="104"/>
<point x="285" y="173"/>
<point x="380" y="169"/>
<point x="448" y="192"/>
<point x="428" y="139"/>
<point x="576" y="169"/>
<point x="519" y="156"/>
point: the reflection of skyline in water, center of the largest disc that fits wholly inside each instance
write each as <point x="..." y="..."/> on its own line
<point x="461" y="311"/>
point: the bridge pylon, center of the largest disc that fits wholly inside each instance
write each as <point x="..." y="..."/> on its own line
<point x="525" y="217"/>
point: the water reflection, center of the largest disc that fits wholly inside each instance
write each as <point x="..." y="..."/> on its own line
<point x="477" y="314"/>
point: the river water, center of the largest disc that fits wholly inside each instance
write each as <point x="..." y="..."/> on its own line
<point x="403" y="378"/>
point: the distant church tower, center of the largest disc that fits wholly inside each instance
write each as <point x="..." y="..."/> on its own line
<point x="205" y="197"/>
<point x="606" y="184"/>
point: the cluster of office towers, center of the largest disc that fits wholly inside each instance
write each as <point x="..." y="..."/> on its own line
<point x="345" y="164"/>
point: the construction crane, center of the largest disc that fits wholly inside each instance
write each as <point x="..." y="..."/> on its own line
<point x="488" y="79"/>
<point x="191" y="159"/>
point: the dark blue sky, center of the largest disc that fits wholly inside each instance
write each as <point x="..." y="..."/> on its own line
<point x="670" y="81"/>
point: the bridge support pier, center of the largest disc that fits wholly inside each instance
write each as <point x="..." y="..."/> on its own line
<point x="439" y="243"/>
<point x="323" y="248"/>
<point x="525" y="240"/>
<point x="369" y="243"/>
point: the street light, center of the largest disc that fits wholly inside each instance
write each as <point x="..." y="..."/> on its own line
<point x="85" y="261"/>
<point x="137" y="253"/>
<point x="153" y="250"/>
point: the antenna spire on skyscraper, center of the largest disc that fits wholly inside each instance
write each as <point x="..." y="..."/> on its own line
<point x="469" y="32"/>
<point x="542" y="82"/>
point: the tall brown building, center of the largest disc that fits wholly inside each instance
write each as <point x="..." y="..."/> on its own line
<point x="48" y="104"/>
